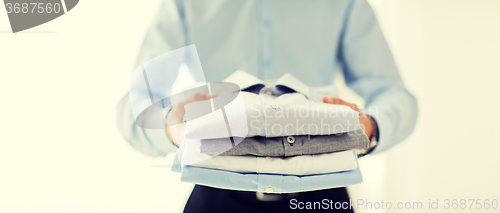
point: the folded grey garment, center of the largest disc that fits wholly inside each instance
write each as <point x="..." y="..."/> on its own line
<point x="286" y="146"/>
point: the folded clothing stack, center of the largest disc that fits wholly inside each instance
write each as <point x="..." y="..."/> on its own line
<point x="274" y="137"/>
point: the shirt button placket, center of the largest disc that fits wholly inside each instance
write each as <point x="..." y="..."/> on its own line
<point x="265" y="39"/>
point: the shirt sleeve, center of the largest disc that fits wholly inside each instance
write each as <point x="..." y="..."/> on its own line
<point x="370" y="70"/>
<point x="168" y="32"/>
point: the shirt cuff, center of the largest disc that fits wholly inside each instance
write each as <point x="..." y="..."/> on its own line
<point x="385" y="129"/>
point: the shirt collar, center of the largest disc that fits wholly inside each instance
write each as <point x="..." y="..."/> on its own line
<point x="290" y="81"/>
<point x="245" y="80"/>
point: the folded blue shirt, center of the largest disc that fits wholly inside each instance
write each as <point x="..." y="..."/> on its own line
<point x="262" y="182"/>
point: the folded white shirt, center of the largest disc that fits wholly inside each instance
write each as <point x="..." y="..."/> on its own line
<point x="297" y="165"/>
<point x="251" y="115"/>
<point x="282" y="108"/>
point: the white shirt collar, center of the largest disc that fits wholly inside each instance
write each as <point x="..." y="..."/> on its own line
<point x="245" y="80"/>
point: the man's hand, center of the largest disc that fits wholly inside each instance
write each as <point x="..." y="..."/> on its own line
<point x="365" y="121"/>
<point x="175" y="131"/>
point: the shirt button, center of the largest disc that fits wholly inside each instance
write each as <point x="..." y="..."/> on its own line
<point x="290" y="139"/>
<point x="275" y="106"/>
<point x="269" y="159"/>
<point x="269" y="190"/>
<point x="269" y="93"/>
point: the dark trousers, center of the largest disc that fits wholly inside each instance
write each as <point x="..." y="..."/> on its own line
<point x="208" y="199"/>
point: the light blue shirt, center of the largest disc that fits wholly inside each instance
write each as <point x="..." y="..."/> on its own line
<point x="262" y="182"/>
<point x="313" y="40"/>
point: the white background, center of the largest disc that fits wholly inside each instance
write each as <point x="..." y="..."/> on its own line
<point x="60" y="82"/>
